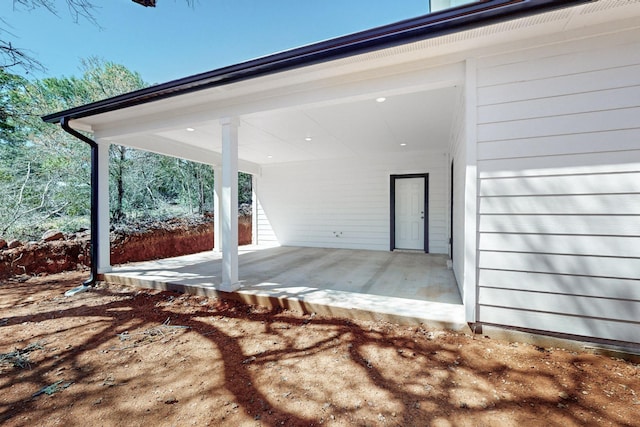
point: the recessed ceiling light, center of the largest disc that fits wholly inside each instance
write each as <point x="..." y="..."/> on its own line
<point x="269" y="157"/>
<point x="308" y="138"/>
<point x="190" y="129"/>
<point x="404" y="144"/>
<point x="381" y="99"/>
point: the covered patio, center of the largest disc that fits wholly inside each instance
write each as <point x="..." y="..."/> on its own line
<point x="500" y="135"/>
<point x="401" y="287"/>
<point x="354" y="153"/>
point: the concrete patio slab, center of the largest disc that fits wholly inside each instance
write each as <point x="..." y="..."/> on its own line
<point x="401" y="287"/>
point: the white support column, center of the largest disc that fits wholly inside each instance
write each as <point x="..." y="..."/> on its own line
<point x="254" y="210"/>
<point x="217" y="190"/>
<point x="229" y="205"/>
<point x="104" y="246"/>
<point x="471" y="193"/>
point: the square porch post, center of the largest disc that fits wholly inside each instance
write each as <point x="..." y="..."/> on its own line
<point x="254" y="209"/>
<point x="229" y="205"/>
<point x="470" y="207"/>
<point x="217" y="193"/>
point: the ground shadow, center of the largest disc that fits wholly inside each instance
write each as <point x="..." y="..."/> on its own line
<point x="275" y="367"/>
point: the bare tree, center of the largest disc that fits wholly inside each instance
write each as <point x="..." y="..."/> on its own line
<point x="14" y="56"/>
<point x="77" y="8"/>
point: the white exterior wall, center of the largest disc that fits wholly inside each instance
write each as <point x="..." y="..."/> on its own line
<point x="263" y="230"/>
<point x="344" y="203"/>
<point x="559" y="187"/>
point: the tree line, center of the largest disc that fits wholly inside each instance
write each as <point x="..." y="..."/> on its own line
<point x="44" y="172"/>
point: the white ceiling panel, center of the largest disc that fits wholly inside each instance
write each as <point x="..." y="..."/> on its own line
<point x="350" y="128"/>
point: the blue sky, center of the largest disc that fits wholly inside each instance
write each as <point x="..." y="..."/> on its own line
<point x="174" y="40"/>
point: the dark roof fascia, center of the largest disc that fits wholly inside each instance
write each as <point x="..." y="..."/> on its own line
<point x="428" y="26"/>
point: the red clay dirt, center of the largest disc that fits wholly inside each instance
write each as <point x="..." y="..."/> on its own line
<point x="142" y="242"/>
<point x="117" y="356"/>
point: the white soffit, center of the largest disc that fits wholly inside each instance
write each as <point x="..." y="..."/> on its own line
<point x="417" y="121"/>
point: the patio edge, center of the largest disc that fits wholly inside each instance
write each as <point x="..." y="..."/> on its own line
<point x="305" y="306"/>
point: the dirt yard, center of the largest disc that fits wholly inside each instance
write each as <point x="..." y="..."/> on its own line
<point x="118" y="356"/>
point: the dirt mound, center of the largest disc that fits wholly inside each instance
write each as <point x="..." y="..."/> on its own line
<point x="130" y="242"/>
<point x="154" y="241"/>
<point x="45" y="257"/>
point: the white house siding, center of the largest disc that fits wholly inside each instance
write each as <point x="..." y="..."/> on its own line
<point x="344" y="203"/>
<point x="559" y="188"/>
<point x="264" y="232"/>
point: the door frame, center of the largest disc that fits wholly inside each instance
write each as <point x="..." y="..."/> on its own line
<point x="392" y="207"/>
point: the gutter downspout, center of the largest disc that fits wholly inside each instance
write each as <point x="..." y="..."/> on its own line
<point x="64" y="123"/>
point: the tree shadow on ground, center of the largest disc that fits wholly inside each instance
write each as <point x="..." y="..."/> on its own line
<point x="132" y="355"/>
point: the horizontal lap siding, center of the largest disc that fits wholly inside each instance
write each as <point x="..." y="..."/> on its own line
<point x="559" y="188"/>
<point x="590" y="245"/>
<point x="308" y="203"/>
<point x="577" y="265"/>
<point x="591" y="225"/>
<point x="553" y="283"/>
<point x="264" y="233"/>
<point x="597" y="204"/>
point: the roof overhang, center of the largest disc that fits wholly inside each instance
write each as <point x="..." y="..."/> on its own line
<point x="483" y="12"/>
<point x="326" y="91"/>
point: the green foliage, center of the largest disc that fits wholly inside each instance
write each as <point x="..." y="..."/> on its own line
<point x="48" y="175"/>
<point x="244" y="188"/>
<point x="9" y="84"/>
<point x="45" y="173"/>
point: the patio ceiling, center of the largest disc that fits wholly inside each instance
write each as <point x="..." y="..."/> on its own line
<point x="352" y="127"/>
<point x="414" y="121"/>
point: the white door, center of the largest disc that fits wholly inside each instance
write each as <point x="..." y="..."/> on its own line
<point x="409" y="213"/>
